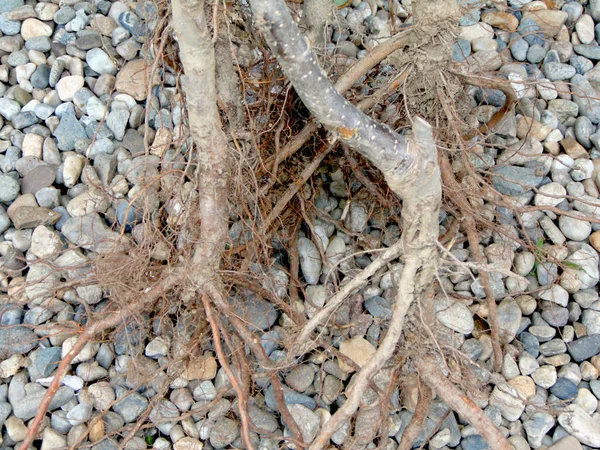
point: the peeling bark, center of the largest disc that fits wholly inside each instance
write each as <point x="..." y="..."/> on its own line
<point x="227" y="81"/>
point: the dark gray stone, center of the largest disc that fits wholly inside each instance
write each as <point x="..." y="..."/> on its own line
<point x="564" y="389"/>
<point x="584" y="348"/>
<point x="515" y="180"/>
<point x="379" y="307"/>
<point x="43" y="362"/>
<point x="131" y="407"/>
<point x="69" y="130"/>
<point x="256" y="312"/>
<point x="14" y="340"/>
<point x="41" y="76"/>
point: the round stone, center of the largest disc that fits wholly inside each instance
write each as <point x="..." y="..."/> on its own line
<point x="100" y="62"/>
<point x="68" y="86"/>
<point x="574" y="229"/>
<point x="550" y="194"/>
<point x="9" y="188"/>
<point x="35" y="28"/>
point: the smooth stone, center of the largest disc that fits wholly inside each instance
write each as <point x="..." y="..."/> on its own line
<point x="584" y="95"/>
<point x="31" y="28"/>
<point x="132" y="79"/>
<point x="556" y="71"/>
<point x="38" y="178"/>
<point x="358" y="350"/>
<point x="574" y="229"/>
<point x="536" y="427"/>
<point x="564" y="389"/>
<point x="581" y="425"/>
<point x="310" y="260"/>
<point x="9" y="108"/>
<point x="589" y="51"/>
<point x="92" y="233"/>
<point x="27" y="407"/>
<point x="225" y="431"/>
<point x="508" y="400"/>
<point x="100" y="62"/>
<point x="515" y="180"/>
<point x="15" y="340"/>
<point x="9" y="188"/>
<point x="256" y="312"/>
<point x="69" y="130"/>
<point x="566" y="443"/>
<point x="455" y="315"/>
<point x="550" y="194"/>
<point x="584" y="348"/>
<point x="68" y="86"/>
<point x="131" y="407"/>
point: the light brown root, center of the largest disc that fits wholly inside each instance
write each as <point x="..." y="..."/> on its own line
<point x="430" y="372"/>
<point x="241" y="395"/>
<point x="418" y="419"/>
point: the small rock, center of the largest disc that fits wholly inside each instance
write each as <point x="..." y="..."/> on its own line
<point x="580" y="425"/>
<point x="358" y="350"/>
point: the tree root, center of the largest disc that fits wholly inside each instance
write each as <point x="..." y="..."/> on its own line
<point x="418" y="419"/>
<point x="241" y="395"/>
<point x="430" y="372"/>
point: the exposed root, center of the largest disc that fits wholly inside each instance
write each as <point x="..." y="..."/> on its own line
<point x="241" y="395"/>
<point x="418" y="419"/>
<point x="430" y="372"/>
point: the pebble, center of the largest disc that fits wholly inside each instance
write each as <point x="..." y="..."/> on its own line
<point x="580" y="425"/>
<point x="68" y="86"/>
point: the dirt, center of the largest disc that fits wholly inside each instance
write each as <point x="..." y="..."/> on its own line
<point x="428" y="61"/>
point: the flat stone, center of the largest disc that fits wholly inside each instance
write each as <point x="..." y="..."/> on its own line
<point x="454" y="315"/>
<point x="92" y="233"/>
<point x="503" y="20"/>
<point x="32" y="216"/>
<point x="584" y="348"/>
<point x="26" y="408"/>
<point x="15" y="340"/>
<point x="358" y="350"/>
<point x="307" y="420"/>
<point x="69" y="131"/>
<point x="131" y="407"/>
<point x="564" y="389"/>
<point x="589" y="51"/>
<point x="508" y="400"/>
<point x="550" y="194"/>
<point x="581" y="425"/>
<point x="224" y="432"/>
<point x="38" y="178"/>
<point x="256" y="312"/>
<point x="515" y="180"/>
<point x="133" y="78"/>
<point x="549" y="21"/>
